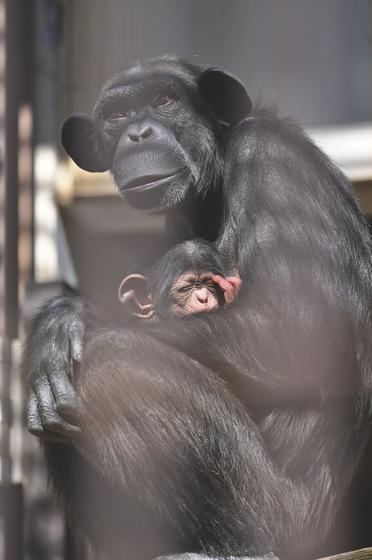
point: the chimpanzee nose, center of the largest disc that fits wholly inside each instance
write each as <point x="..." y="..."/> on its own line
<point x="202" y="295"/>
<point x="140" y="132"/>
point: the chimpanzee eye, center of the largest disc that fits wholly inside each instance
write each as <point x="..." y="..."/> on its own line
<point x="211" y="286"/>
<point x="162" y="101"/>
<point x="185" y="289"/>
<point x="117" y="114"/>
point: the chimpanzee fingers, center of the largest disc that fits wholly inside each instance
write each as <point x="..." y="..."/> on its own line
<point x="50" y="419"/>
<point x="229" y="295"/>
<point x="76" y="333"/>
<point x="235" y="281"/>
<point x="67" y="402"/>
<point x="221" y="281"/>
<point x="34" y="423"/>
<point x="228" y="289"/>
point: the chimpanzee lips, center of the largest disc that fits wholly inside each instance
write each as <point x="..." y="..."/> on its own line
<point x="146" y="183"/>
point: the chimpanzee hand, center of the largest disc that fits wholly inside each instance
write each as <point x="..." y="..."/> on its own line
<point x="230" y="285"/>
<point x="55" y="341"/>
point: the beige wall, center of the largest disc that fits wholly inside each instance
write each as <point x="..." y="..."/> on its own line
<point x="312" y="58"/>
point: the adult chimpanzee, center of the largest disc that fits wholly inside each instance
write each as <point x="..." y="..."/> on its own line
<point x="190" y="278"/>
<point x="171" y="452"/>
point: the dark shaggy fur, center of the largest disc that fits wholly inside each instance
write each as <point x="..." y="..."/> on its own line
<point x="236" y="432"/>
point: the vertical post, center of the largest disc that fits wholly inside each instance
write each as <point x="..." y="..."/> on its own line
<point x="14" y="91"/>
<point x="9" y="277"/>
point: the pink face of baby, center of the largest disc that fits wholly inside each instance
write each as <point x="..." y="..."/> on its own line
<point x="191" y="293"/>
<point x="194" y="293"/>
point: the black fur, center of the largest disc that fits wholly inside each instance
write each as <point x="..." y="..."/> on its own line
<point x="173" y="459"/>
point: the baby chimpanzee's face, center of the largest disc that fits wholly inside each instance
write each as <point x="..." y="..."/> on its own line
<point x="195" y="293"/>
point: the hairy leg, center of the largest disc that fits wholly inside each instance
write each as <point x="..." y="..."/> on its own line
<point x="171" y="457"/>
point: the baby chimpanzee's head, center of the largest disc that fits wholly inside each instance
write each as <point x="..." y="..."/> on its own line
<point x="190" y="278"/>
<point x="181" y="282"/>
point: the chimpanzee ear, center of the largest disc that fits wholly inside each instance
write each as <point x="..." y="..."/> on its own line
<point x="225" y="94"/>
<point x="134" y="294"/>
<point x="77" y="140"/>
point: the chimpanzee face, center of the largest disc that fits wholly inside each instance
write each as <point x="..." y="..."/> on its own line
<point x="159" y="127"/>
<point x="194" y="293"/>
<point x="160" y="146"/>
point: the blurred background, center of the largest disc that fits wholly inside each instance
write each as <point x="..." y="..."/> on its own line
<point x="59" y="225"/>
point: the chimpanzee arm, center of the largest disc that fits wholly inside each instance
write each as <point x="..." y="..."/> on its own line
<point x="303" y="250"/>
<point x="54" y="343"/>
<point x="267" y="361"/>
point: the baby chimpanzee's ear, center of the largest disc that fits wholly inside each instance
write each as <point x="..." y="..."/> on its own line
<point x="78" y="140"/>
<point x="225" y="95"/>
<point x="135" y="295"/>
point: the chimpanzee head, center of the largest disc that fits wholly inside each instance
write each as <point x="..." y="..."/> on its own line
<point x="181" y="282"/>
<point x="159" y="127"/>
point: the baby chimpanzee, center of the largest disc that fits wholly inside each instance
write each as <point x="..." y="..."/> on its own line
<point x="190" y="278"/>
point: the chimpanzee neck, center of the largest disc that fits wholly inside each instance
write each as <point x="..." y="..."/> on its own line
<point x="198" y="217"/>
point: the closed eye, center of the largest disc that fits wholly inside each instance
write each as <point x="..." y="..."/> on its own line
<point x="162" y="101"/>
<point x="186" y="289"/>
<point x="118" y="115"/>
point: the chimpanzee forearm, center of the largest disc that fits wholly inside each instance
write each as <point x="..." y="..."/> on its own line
<point x="264" y="364"/>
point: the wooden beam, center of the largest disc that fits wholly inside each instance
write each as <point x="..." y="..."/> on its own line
<point x="362" y="554"/>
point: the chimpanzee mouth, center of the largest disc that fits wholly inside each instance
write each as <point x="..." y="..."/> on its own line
<point x="147" y="182"/>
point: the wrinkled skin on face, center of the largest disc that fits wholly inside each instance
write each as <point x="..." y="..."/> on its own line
<point x="202" y="292"/>
<point x="194" y="293"/>
<point x="156" y="159"/>
<point x="151" y="129"/>
<point x="160" y="127"/>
